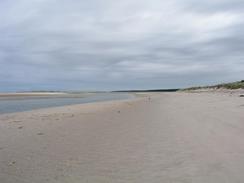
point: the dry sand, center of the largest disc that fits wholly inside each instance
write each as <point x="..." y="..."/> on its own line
<point x="169" y="138"/>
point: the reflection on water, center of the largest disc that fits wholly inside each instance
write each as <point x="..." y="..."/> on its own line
<point x="9" y="106"/>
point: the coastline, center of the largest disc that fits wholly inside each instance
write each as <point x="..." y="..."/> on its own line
<point x="21" y="103"/>
<point x="159" y="137"/>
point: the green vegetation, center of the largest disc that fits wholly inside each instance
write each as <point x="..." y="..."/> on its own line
<point x="231" y="86"/>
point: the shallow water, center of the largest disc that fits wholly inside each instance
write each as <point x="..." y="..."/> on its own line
<point x="26" y="104"/>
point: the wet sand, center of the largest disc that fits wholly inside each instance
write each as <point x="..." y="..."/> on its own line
<point x="169" y="137"/>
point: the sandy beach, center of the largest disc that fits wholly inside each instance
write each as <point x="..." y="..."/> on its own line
<point x="169" y="137"/>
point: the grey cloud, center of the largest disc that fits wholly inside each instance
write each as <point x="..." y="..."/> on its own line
<point x="107" y="45"/>
<point x="214" y="6"/>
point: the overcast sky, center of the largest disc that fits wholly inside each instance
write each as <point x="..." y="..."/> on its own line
<point x="110" y="45"/>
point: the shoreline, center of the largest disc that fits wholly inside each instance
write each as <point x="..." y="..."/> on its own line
<point x="138" y="96"/>
<point x="72" y="106"/>
<point x="31" y="104"/>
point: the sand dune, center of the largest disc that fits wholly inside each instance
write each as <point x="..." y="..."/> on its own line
<point x="170" y="138"/>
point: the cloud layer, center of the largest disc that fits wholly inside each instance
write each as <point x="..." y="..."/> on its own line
<point x="109" y="45"/>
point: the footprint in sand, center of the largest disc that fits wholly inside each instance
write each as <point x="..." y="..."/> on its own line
<point x="12" y="163"/>
<point x="15" y="121"/>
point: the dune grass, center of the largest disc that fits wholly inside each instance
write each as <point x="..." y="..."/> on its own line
<point x="231" y="86"/>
